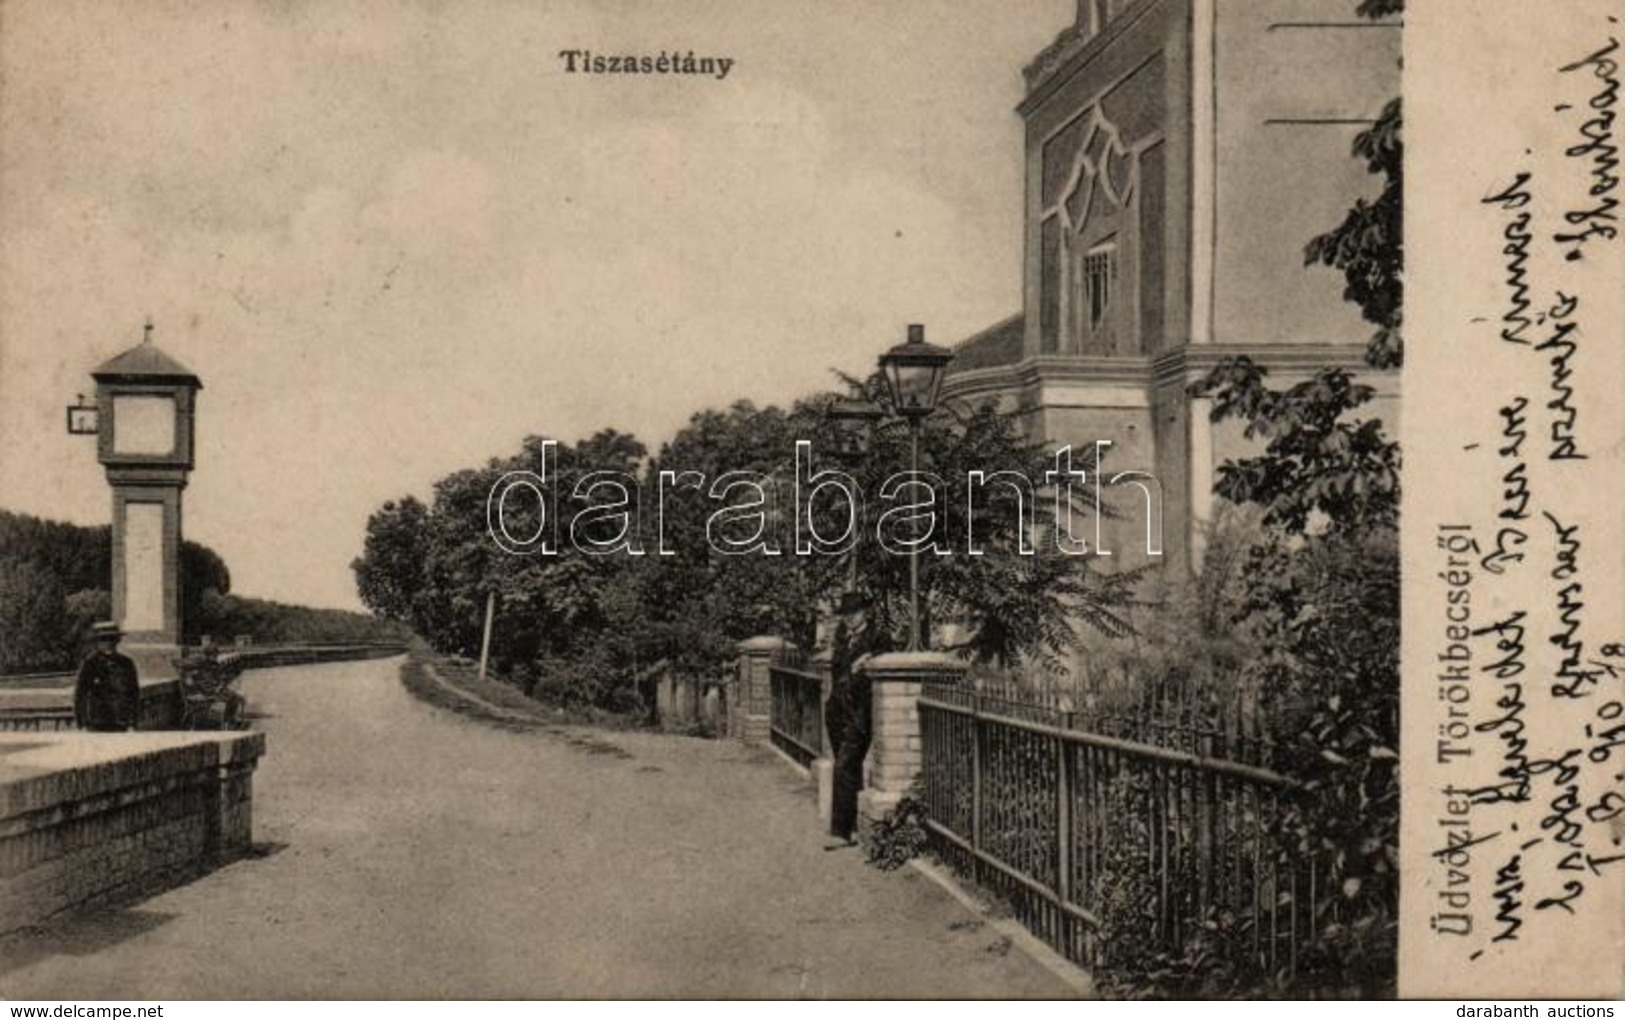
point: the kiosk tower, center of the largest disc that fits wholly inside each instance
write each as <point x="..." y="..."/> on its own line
<point x="145" y="403"/>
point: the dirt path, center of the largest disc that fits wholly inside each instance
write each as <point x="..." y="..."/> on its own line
<point x="414" y="853"/>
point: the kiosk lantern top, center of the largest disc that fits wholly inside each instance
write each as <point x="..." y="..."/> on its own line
<point x="145" y="402"/>
<point x="145" y="363"/>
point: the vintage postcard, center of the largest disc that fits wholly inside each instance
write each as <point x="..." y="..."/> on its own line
<point x="721" y="499"/>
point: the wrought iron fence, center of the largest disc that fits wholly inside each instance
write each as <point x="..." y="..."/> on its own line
<point x="1119" y="829"/>
<point x="796" y="724"/>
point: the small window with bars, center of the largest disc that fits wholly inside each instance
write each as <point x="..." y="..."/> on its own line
<point x="1099" y="283"/>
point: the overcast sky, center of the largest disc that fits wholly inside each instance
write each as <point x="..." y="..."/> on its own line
<point x="395" y="238"/>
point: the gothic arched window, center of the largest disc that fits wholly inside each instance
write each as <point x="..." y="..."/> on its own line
<point x="1093" y="223"/>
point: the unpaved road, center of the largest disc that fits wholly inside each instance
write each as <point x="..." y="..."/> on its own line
<point x="409" y="852"/>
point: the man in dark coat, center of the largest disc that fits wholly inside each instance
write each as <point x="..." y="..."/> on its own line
<point x="847" y="716"/>
<point x="107" y="696"/>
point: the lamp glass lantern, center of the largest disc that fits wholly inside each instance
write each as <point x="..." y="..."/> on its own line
<point x="854" y="442"/>
<point x="914" y="372"/>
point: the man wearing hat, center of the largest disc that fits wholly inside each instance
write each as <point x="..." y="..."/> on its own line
<point x="107" y="696"/>
<point x="847" y="716"/>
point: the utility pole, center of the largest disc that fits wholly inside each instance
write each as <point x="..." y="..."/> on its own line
<point x="485" y="638"/>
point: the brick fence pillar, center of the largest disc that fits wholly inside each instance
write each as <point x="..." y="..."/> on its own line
<point x="752" y="709"/>
<point x="894" y="761"/>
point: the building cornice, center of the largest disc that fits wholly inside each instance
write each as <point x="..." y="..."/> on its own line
<point x="1199" y="359"/>
<point x="1183" y="364"/>
<point x="1031" y="373"/>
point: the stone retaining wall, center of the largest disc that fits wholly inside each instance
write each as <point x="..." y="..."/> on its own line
<point x="93" y="819"/>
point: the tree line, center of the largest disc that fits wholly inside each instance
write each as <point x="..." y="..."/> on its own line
<point x="54" y="579"/>
<point x="580" y="628"/>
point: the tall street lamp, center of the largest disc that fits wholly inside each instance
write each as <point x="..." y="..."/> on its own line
<point x="914" y="372"/>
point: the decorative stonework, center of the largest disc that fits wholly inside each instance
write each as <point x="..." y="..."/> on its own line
<point x="1093" y="215"/>
<point x="1101" y="162"/>
<point x="1094" y="18"/>
<point x="1066" y="45"/>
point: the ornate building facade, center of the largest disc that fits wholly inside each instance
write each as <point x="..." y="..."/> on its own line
<point x="1179" y="155"/>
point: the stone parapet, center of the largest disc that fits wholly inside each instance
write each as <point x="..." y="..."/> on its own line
<point x="50" y="709"/>
<point x="93" y="819"/>
<point x="49" y="706"/>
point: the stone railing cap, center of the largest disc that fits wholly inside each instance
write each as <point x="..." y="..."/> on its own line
<point x="910" y="662"/>
<point x="765" y="643"/>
